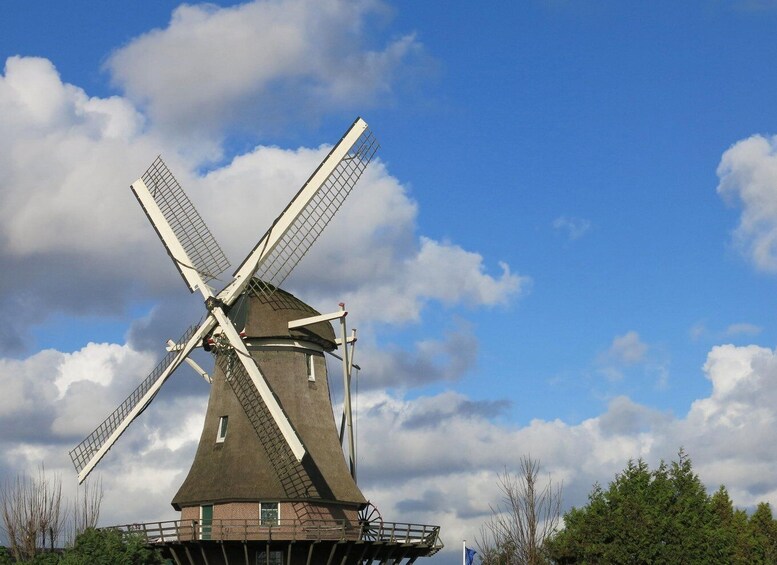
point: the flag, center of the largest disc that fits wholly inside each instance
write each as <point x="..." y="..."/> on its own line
<point x="469" y="555"/>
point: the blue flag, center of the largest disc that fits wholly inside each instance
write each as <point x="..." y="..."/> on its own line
<point x="469" y="556"/>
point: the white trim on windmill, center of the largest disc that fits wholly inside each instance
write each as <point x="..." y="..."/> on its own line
<point x="171" y="346"/>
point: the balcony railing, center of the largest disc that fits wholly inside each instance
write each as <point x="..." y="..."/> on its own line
<point x="176" y="531"/>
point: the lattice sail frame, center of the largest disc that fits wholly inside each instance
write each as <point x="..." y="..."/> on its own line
<point x="83" y="452"/>
<point x="296" y="242"/>
<point x="201" y="247"/>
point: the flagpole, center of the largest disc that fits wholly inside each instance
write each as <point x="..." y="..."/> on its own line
<point x="463" y="552"/>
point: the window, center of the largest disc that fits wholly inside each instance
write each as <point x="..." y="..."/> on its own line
<point x="222" y="432"/>
<point x="310" y="366"/>
<point x="273" y="558"/>
<point x="269" y="514"/>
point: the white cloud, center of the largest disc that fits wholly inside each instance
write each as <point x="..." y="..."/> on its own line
<point x="575" y="228"/>
<point x="66" y="208"/>
<point x="369" y="255"/>
<point x="743" y="328"/>
<point x="625" y="351"/>
<point x="96" y="363"/>
<point x="71" y="237"/>
<point x="451" y="462"/>
<point x="63" y="156"/>
<point x="263" y="63"/>
<point x="748" y="177"/>
<point x="431" y="459"/>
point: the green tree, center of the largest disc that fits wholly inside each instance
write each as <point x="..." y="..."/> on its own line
<point x="110" y="547"/>
<point x="644" y="516"/>
<point x="763" y="535"/>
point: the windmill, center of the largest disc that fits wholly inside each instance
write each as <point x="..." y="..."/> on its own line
<point x="269" y="482"/>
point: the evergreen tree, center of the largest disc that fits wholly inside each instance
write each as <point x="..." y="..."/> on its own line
<point x="763" y="535"/>
<point x="664" y="516"/>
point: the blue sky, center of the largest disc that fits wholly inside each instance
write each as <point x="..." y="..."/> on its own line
<point x="568" y="238"/>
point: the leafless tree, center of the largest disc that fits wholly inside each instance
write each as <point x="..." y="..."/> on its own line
<point x="32" y="513"/>
<point x="526" y="517"/>
<point x="86" y="508"/>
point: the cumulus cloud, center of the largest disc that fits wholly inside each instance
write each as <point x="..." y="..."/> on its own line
<point x="261" y="64"/>
<point x="430" y="361"/>
<point x="431" y="458"/>
<point x="71" y="239"/>
<point x="451" y="461"/>
<point x="53" y="387"/>
<point x="52" y="400"/>
<point x="66" y="209"/>
<point x="748" y="178"/>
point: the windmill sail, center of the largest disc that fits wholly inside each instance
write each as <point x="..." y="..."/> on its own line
<point x="89" y="452"/>
<point x="200" y="247"/>
<point x="306" y="216"/>
<point x="309" y="224"/>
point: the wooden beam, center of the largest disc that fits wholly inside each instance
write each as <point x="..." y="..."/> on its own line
<point x="310" y="553"/>
<point x="204" y="556"/>
<point x="331" y="554"/>
<point x="175" y="555"/>
<point x="188" y="554"/>
<point x="364" y="552"/>
<point x="347" y="552"/>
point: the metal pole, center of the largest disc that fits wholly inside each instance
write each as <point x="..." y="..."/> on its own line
<point x="347" y="394"/>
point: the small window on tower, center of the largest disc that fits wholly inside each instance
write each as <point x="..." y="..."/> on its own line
<point x="311" y="368"/>
<point x="222" y="433"/>
<point x="269" y="514"/>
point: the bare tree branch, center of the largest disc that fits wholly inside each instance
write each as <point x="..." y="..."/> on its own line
<point x="34" y="515"/>
<point x="86" y="508"/>
<point x="527" y="516"/>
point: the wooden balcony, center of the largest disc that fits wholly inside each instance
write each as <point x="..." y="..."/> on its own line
<point x="310" y="541"/>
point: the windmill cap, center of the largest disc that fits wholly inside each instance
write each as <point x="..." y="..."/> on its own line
<point x="276" y="309"/>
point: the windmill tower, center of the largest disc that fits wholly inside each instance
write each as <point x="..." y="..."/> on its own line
<point x="269" y="482"/>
